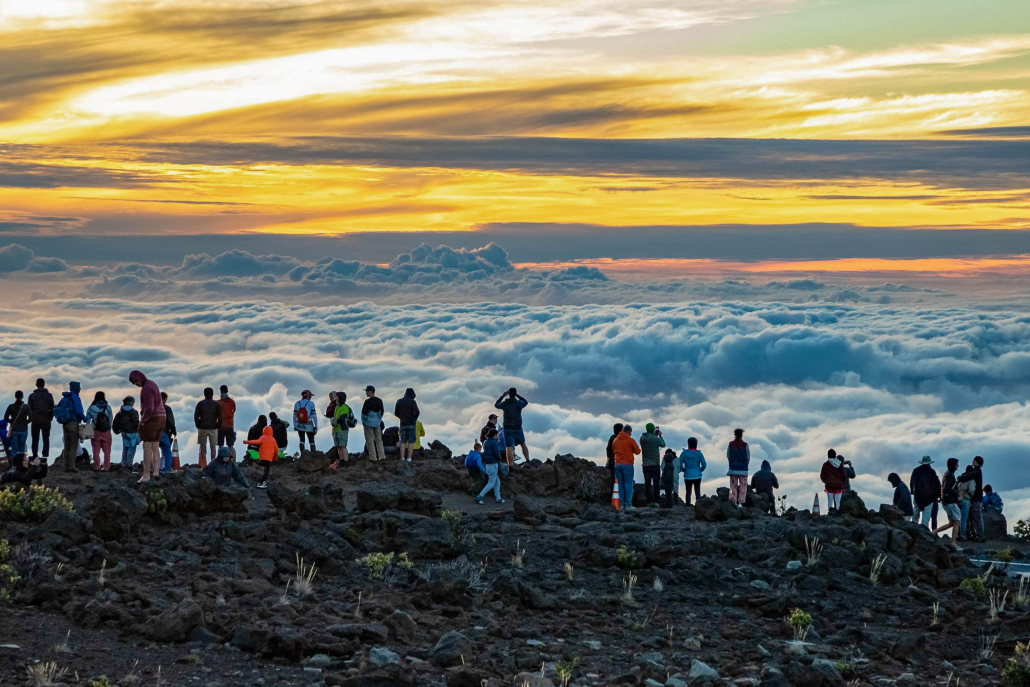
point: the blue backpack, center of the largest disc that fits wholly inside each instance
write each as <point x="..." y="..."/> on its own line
<point x="63" y="410"/>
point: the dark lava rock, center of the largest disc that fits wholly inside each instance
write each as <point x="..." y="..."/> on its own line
<point x="115" y="511"/>
<point x="452" y="649"/>
<point x="174" y="625"/>
<point x="995" y="525"/>
<point x="715" y="510"/>
<point x="853" y="505"/>
<point x="313" y="461"/>
<point x="379" y="497"/>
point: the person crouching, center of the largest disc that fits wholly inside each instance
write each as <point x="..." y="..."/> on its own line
<point x="224" y="470"/>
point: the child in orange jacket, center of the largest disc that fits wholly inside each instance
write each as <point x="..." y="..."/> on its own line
<point x="268" y="450"/>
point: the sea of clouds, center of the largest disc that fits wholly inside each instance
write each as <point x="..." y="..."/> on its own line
<point x="801" y="365"/>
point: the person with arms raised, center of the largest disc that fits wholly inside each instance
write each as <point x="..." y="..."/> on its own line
<point x="511" y="406"/>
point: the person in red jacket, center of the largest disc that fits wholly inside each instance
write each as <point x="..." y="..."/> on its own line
<point x="227" y="432"/>
<point x="625" y="448"/>
<point x="268" y="451"/>
<point x="151" y="423"/>
<point x="833" y="476"/>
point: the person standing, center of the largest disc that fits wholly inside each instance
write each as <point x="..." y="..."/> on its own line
<point x="610" y="452"/>
<point x="925" y="486"/>
<point x="651" y="445"/>
<point x="100" y="415"/>
<point x="372" y="421"/>
<point x="207" y="418"/>
<point x="41" y="414"/>
<point x="976" y="517"/>
<point x="738" y="455"/>
<point x="17" y="416"/>
<point x="692" y="463"/>
<point x="227" y="429"/>
<point x="152" y="423"/>
<point x="764" y="482"/>
<point x="625" y="448"/>
<point x="849" y="471"/>
<point x="268" y="451"/>
<point x="167" y="437"/>
<point x="330" y="410"/>
<point x="670" y="461"/>
<point x="965" y="495"/>
<point x="126" y="423"/>
<point x="491" y="466"/>
<point x="949" y="501"/>
<point x="69" y="414"/>
<point x="343" y="421"/>
<point x="491" y="423"/>
<point x="833" y="476"/>
<point x="407" y="412"/>
<point x="511" y="406"/>
<point x="305" y="419"/>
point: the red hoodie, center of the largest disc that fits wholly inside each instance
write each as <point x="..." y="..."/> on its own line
<point x="150" y="403"/>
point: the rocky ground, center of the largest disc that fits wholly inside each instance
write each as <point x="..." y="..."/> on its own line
<point x="179" y="583"/>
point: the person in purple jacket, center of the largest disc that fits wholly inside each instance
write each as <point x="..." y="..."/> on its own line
<point x="151" y="423"/>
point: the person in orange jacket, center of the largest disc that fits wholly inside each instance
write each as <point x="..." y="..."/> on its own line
<point x="268" y="450"/>
<point x="625" y="448"/>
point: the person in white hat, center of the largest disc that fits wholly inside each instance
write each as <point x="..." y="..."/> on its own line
<point x="925" y="485"/>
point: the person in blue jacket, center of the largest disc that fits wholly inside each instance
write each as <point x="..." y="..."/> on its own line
<point x="69" y="414"/>
<point x="491" y="466"/>
<point x="692" y="463"/>
<point x="474" y="463"/>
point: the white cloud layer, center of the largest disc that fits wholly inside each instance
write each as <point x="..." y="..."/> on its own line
<point x="883" y="384"/>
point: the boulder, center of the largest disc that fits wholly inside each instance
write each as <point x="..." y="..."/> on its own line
<point x="114" y="511"/>
<point x="528" y="512"/>
<point x="380" y="657"/>
<point x="380" y="497"/>
<point x="175" y="624"/>
<point x="995" y="525"/>
<point x="313" y="461"/>
<point x="715" y="510"/>
<point x="452" y="649"/>
<point x="428" y="539"/>
<point x="890" y="513"/>
<point x="702" y="671"/>
<point x="852" y="504"/>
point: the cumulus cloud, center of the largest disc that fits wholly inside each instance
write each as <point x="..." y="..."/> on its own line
<point x="882" y="385"/>
<point x="16" y="258"/>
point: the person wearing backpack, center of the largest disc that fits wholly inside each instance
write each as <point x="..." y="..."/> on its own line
<point x="17" y="417"/>
<point x="305" y="419"/>
<point x="372" y="422"/>
<point x="126" y="423"/>
<point x="41" y="415"/>
<point x="406" y="410"/>
<point x="343" y="422"/>
<point x="101" y="417"/>
<point x="68" y="413"/>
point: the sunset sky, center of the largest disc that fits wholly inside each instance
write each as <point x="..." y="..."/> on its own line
<point x="146" y="118"/>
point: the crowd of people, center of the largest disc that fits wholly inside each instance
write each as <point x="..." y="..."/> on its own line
<point x="963" y="498"/>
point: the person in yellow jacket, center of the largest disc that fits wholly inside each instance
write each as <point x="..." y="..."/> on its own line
<point x="420" y="432"/>
<point x="268" y="451"/>
<point x="343" y="420"/>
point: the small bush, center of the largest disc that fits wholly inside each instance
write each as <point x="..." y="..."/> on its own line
<point x="1007" y="555"/>
<point x="975" y="585"/>
<point x="8" y="575"/>
<point x="34" y="504"/>
<point x="157" y="503"/>
<point x="1017" y="670"/>
<point x="626" y="558"/>
<point x="1022" y="529"/>
<point x="102" y="681"/>
<point x="800" y="621"/>
<point x="376" y="564"/>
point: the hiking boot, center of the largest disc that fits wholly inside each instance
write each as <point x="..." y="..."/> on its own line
<point x="479" y="501"/>
<point x="262" y="485"/>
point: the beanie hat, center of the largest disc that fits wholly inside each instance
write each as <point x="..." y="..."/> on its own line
<point x="649" y="427"/>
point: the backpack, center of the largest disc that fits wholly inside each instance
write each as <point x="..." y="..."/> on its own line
<point x="63" y="410"/>
<point x="302" y="415"/>
<point x="352" y="421"/>
<point x="102" y="423"/>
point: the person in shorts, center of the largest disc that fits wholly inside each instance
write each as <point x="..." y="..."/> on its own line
<point x="949" y="499"/>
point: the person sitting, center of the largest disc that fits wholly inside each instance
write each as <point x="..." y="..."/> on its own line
<point x="992" y="500"/>
<point x="764" y="482"/>
<point x="224" y="470"/>
<point x="474" y="463"/>
<point x="253" y="434"/>
<point x="24" y="474"/>
<point x="902" y="495"/>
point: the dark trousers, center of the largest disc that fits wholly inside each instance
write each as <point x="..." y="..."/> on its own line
<point x="268" y="466"/>
<point x="933" y="516"/>
<point x="611" y="483"/>
<point x="976" y="518"/>
<point x="310" y="436"/>
<point x="40" y="429"/>
<point x="652" y="474"/>
<point x="694" y="484"/>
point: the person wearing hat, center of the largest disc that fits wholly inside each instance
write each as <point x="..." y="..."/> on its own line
<point x="305" y="419"/>
<point x="372" y="421"/>
<point x="491" y="423"/>
<point x="651" y="445"/>
<point x="925" y="486"/>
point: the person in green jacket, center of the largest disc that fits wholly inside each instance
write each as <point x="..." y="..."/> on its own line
<point x="651" y="445"/>
<point x="343" y="419"/>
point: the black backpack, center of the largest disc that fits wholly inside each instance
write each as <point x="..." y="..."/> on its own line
<point x="102" y="422"/>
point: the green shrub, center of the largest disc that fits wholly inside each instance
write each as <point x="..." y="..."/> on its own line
<point x="102" y="681"/>
<point x="1017" y="670"/>
<point x="975" y="585"/>
<point x="1007" y="555"/>
<point x="800" y="621"/>
<point x="8" y="575"/>
<point x="626" y="558"/>
<point x="1022" y="529"/>
<point x="376" y="564"/>
<point x="157" y="503"/>
<point x="34" y="504"/>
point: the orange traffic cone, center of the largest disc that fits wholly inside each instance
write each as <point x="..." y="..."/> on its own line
<point x="815" y="506"/>
<point x="615" y="495"/>
<point x="175" y="455"/>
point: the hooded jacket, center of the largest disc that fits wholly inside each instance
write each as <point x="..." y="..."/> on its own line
<point x="96" y="410"/>
<point x="965" y="489"/>
<point x="738" y="454"/>
<point x="625" y="448"/>
<point x="126" y="421"/>
<point x="372" y="411"/>
<point x="668" y="469"/>
<point x="228" y="407"/>
<point x="692" y="463"/>
<point x="406" y="409"/>
<point x="925" y="486"/>
<point x="41" y="406"/>
<point x="340" y="415"/>
<point x="651" y="446"/>
<point x="833" y="475"/>
<point x="72" y="404"/>
<point x="902" y="496"/>
<point x="208" y="414"/>
<point x="474" y="460"/>
<point x="764" y="481"/>
<point x="224" y="473"/>
<point x="150" y="403"/>
<point x="268" y="449"/>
